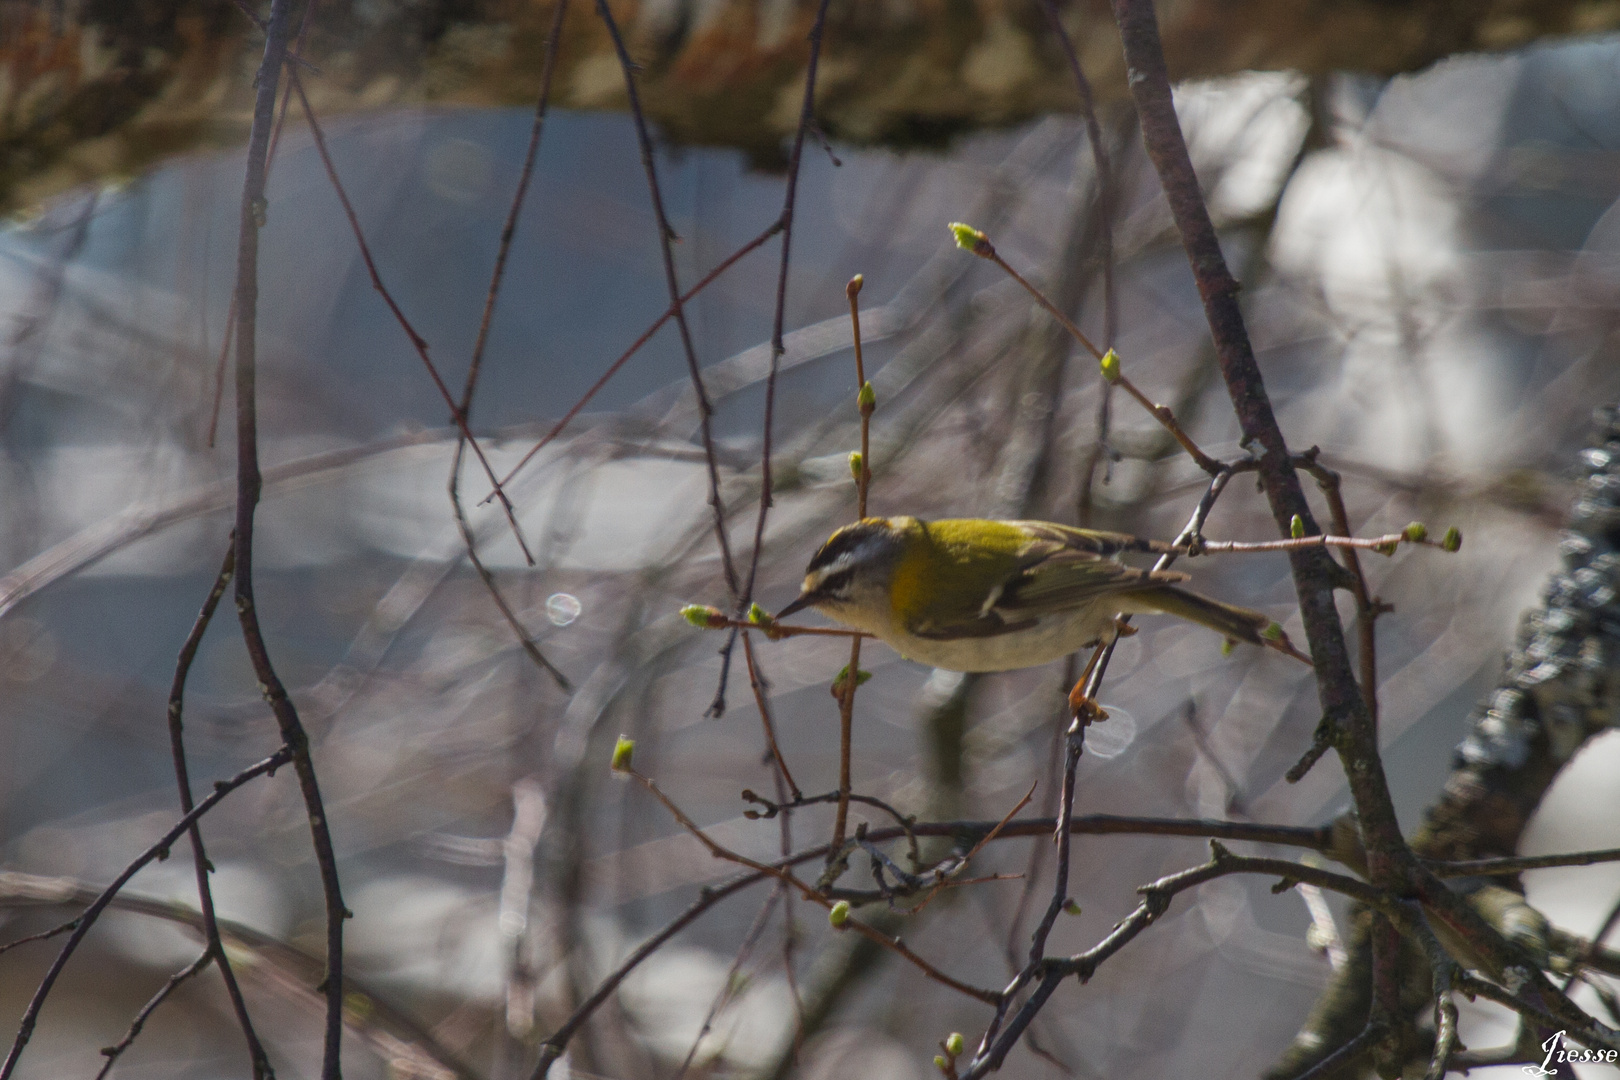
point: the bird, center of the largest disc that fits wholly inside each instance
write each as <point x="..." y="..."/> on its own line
<point x="975" y="594"/>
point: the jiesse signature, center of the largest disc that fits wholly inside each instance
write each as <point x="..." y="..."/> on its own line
<point x="1558" y="1052"/>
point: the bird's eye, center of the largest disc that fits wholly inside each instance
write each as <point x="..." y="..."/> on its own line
<point x="836" y="584"/>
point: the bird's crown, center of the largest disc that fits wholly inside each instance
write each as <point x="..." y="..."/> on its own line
<point x="865" y="542"/>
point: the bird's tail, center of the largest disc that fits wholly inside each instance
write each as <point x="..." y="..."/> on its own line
<point x="1236" y="623"/>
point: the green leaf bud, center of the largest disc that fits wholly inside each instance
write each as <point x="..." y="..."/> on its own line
<point x="970" y="239"/>
<point x="838" y="915"/>
<point x="703" y="616"/>
<point x="860" y="676"/>
<point x="855" y="462"/>
<point x="940" y="1063"/>
<point x="759" y="616"/>
<point x="843" y="675"/>
<point x="1416" y="533"/>
<point x="954" y="1043"/>
<point x="853" y="289"/>
<point x="1109" y="364"/>
<point x="623" y="751"/>
<point x="1296" y="527"/>
<point x="1071" y="906"/>
<point x="1452" y="541"/>
<point x="866" y="400"/>
<point x="1227" y="646"/>
<point x="1274" y="632"/>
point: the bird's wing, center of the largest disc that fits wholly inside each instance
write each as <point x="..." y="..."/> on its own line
<point x="1058" y="570"/>
<point x="1049" y="538"/>
<point x="1067" y="579"/>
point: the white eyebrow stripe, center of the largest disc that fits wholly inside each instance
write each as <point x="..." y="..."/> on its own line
<point x="840" y="564"/>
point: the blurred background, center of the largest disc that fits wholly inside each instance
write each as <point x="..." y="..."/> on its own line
<point x="1431" y="265"/>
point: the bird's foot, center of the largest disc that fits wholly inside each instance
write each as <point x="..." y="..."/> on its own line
<point x="1083" y="708"/>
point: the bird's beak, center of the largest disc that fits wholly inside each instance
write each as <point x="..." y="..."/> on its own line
<point x="804" y="601"/>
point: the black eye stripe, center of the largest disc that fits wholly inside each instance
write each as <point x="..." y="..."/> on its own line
<point x="835" y="583"/>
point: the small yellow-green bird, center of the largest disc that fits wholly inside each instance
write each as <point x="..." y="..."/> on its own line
<point x="971" y="594"/>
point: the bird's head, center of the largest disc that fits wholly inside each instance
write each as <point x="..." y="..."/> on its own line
<point x="849" y="577"/>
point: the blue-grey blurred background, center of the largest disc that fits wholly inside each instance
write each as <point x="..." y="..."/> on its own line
<point x="1432" y="276"/>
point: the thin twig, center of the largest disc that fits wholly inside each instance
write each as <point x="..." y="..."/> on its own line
<point x="778" y="319"/>
<point x="509" y="228"/>
<point x="215" y="949"/>
<point x="1105" y="251"/>
<point x="756" y="683"/>
<point x="635" y="347"/>
<point x="979" y="244"/>
<point x="775" y="631"/>
<point x="1368" y="607"/>
<point x="728" y="986"/>
<point x="774" y="808"/>
<point x="526" y="641"/>
<point x="269" y="160"/>
<point x="863" y="480"/>
<point x="43" y="935"/>
<point x="114" y="1052"/>
<point x="978" y="847"/>
<point x="806" y="120"/>
<point x="1167" y="418"/>
<point x="665" y="234"/>
<point x="1518" y="863"/>
<point x="1105" y="190"/>
<point x="1443" y="972"/>
<point x="475" y="364"/>
<point x="1336" y="1063"/>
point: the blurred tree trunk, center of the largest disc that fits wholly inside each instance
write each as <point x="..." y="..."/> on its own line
<point x="97" y="88"/>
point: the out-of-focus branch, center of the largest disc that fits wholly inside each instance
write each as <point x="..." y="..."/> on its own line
<point x="75" y="121"/>
<point x="277" y="967"/>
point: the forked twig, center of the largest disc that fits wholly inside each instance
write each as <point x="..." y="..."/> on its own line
<point x="81" y="925"/>
<point x="978" y="847"/>
<point x="635" y="346"/>
<point x="419" y="343"/>
<point x="475" y="364"/>
<point x="214" y="948"/>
